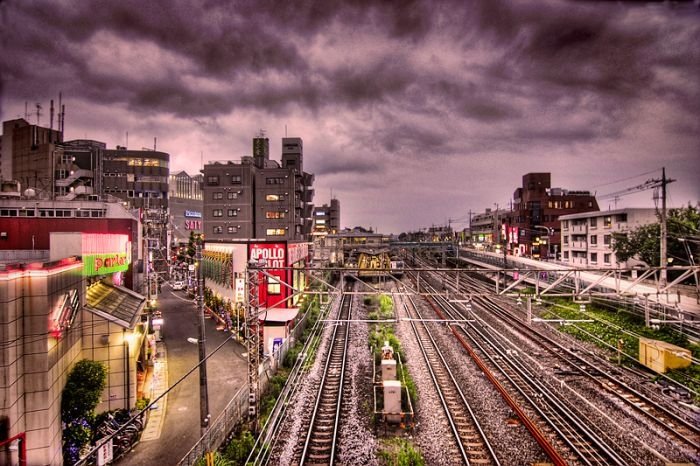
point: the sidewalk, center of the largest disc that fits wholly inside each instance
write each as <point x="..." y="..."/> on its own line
<point x="156" y="384"/>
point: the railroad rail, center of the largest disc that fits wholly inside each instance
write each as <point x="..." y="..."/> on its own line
<point x="470" y="440"/>
<point x="601" y="372"/>
<point x="321" y="439"/>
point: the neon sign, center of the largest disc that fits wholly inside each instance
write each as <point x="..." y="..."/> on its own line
<point x="102" y="264"/>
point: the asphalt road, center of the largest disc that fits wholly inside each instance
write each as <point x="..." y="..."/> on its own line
<point x="226" y="373"/>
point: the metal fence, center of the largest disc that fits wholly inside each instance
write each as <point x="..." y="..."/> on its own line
<point x="236" y="411"/>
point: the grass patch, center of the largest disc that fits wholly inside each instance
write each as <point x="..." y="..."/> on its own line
<point x="399" y="452"/>
<point x="610" y="326"/>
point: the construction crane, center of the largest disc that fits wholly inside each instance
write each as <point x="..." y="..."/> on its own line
<point x="653" y="183"/>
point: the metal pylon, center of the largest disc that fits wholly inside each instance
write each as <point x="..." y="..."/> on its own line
<point x="252" y="337"/>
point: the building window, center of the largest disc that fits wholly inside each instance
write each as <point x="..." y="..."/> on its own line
<point x="274" y="215"/>
<point x="621" y="218"/>
<point x="594" y="258"/>
<point x="218" y="196"/>
<point x="218" y="230"/>
<point x="274" y="180"/>
<point x="274" y="197"/>
<point x="606" y="258"/>
<point x="213" y="180"/>
<point x="594" y="222"/>
<point x="565" y="224"/>
<point x="236" y="179"/>
<point x="218" y="212"/>
<point x="566" y="255"/>
<point x="273" y="286"/>
<point x="232" y="195"/>
<point x="607" y="221"/>
<point x="275" y="232"/>
<point x="566" y="239"/>
<point x="232" y="212"/>
<point x="594" y="239"/>
<point x="607" y="240"/>
<point x="232" y="229"/>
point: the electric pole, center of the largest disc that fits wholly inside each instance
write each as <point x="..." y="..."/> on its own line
<point x="663" y="253"/>
<point x="203" y="393"/>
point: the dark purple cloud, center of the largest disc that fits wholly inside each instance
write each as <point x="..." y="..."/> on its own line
<point x="395" y="94"/>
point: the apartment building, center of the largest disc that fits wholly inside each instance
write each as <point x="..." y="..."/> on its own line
<point x="259" y="198"/>
<point x="587" y="238"/>
<point x="326" y="218"/>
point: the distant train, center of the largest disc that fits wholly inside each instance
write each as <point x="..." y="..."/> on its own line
<point x="397" y="268"/>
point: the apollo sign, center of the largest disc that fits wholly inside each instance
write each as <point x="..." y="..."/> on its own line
<point x="273" y="254"/>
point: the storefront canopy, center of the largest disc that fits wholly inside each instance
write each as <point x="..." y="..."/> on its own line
<point x="115" y="303"/>
<point x="279" y="315"/>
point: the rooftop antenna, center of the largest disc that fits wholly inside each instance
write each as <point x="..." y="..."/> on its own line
<point x="127" y="140"/>
<point x="51" y="118"/>
<point x="63" y="118"/>
<point x="38" y="113"/>
<point x="155" y="141"/>
<point x="201" y="160"/>
<point x="26" y="111"/>
<point x="60" y="106"/>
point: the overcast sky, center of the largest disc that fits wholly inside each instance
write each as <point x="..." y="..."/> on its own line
<point x="412" y="113"/>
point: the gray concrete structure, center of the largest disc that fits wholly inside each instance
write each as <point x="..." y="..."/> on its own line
<point x="258" y="198"/>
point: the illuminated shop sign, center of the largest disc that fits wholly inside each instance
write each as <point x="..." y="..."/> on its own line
<point x="193" y="214"/>
<point x="102" y="264"/>
<point x="272" y="254"/>
<point x="63" y="315"/>
<point x="193" y="224"/>
<point x="298" y="252"/>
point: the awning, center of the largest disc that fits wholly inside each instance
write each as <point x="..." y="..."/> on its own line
<point x="279" y="315"/>
<point x="115" y="303"/>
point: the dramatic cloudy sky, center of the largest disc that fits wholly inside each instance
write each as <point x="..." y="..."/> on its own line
<point x="412" y="113"/>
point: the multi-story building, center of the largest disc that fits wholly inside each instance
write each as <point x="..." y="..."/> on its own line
<point x="326" y="218"/>
<point x="587" y="238"/>
<point x="483" y="229"/>
<point x="185" y="204"/>
<point x="532" y="228"/>
<point x="29" y="154"/>
<point x="257" y="197"/>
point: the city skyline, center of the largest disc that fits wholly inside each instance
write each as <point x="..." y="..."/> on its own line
<point x="411" y="115"/>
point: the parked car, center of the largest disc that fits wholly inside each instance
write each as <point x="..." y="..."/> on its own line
<point x="178" y="285"/>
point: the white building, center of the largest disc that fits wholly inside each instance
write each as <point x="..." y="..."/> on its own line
<point x="586" y="238"/>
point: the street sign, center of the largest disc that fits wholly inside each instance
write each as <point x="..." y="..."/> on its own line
<point x="105" y="453"/>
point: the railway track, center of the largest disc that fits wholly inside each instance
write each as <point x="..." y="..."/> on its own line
<point x="566" y="427"/>
<point x="471" y="444"/>
<point x="600" y="371"/>
<point x="320" y="443"/>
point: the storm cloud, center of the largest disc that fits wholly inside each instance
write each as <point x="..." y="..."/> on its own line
<point x="389" y="97"/>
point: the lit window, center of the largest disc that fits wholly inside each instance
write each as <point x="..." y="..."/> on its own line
<point x="273" y="215"/>
<point x="275" y="232"/>
<point x="273" y="286"/>
<point x="274" y="197"/>
<point x="218" y="196"/>
<point x="218" y="230"/>
<point x="213" y="180"/>
<point x="232" y="212"/>
<point x="232" y="195"/>
<point x="236" y="179"/>
<point x="232" y="229"/>
<point x="218" y="212"/>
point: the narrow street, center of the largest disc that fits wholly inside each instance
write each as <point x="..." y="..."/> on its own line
<point x="226" y="373"/>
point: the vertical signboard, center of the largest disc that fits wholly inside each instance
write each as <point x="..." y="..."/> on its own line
<point x="274" y="256"/>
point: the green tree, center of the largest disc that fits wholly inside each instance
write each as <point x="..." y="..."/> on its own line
<point x="643" y="242"/>
<point x="79" y="398"/>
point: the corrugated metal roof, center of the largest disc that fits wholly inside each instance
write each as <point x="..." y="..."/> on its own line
<point x="115" y="303"/>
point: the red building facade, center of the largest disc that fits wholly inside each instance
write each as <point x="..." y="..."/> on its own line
<point x="532" y="227"/>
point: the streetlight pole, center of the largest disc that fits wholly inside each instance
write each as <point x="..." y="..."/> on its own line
<point x="203" y="393"/>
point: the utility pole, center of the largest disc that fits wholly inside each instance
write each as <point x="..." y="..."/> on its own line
<point x="663" y="252"/>
<point x="203" y="393"/>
